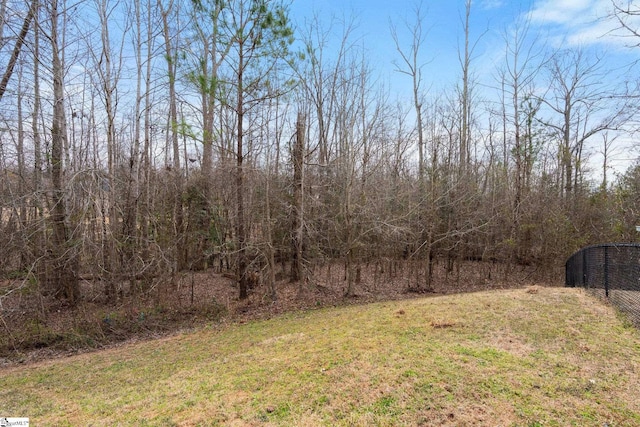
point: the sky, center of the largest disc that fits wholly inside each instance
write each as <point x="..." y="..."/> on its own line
<point x="443" y="26"/>
<point x="555" y="23"/>
<point x="559" y="23"/>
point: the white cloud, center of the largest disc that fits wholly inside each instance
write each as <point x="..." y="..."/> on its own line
<point x="576" y="22"/>
<point x="597" y="33"/>
<point x="563" y="11"/>
<point x="492" y="4"/>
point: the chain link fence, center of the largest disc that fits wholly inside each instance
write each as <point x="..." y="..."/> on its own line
<point x="611" y="271"/>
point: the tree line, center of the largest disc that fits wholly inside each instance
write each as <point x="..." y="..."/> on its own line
<point x="142" y="139"/>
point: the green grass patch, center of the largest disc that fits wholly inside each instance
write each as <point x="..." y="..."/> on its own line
<point x="556" y="357"/>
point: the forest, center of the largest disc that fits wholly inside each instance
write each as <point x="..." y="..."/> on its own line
<point x="141" y="140"/>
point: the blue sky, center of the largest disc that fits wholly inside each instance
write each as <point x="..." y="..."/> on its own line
<point x="558" y="23"/>
<point x="555" y="23"/>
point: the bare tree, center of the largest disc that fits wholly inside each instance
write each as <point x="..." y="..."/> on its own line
<point x="412" y="67"/>
<point x="146" y="155"/>
<point x="584" y="106"/>
<point x="108" y="69"/>
<point x="465" y="101"/>
<point x="173" y="144"/>
<point x="625" y="13"/>
<point x="39" y="234"/>
<point x="18" y="46"/>
<point x="298" y="157"/>
<point x="63" y="279"/>
<point x="522" y="64"/>
<point x="320" y="80"/>
<point x="607" y="150"/>
<point x="131" y="241"/>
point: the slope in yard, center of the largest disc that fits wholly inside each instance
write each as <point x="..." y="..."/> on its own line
<point x="543" y="356"/>
<point x="36" y="328"/>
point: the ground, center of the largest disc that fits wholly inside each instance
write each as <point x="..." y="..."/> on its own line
<point x="35" y="328"/>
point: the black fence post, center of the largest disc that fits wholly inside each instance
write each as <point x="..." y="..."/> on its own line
<point x="585" y="279"/>
<point x="606" y="271"/>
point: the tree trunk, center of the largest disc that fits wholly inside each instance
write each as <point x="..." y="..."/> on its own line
<point x="38" y="239"/>
<point x="465" y="102"/>
<point x="25" y="258"/>
<point x="298" y="217"/>
<point x="112" y="270"/>
<point x="18" y="46"/>
<point x="179" y="262"/>
<point x="241" y="234"/>
<point x="145" y="158"/>
<point x="271" y="278"/>
<point x="129" y="225"/>
<point x="64" y="280"/>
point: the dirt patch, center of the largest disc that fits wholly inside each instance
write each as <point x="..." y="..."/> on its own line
<point x="511" y="344"/>
<point x="443" y="324"/>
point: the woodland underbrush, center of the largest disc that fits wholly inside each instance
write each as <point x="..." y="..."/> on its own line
<point x="34" y="327"/>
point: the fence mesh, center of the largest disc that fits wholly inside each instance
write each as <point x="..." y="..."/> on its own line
<point x="611" y="271"/>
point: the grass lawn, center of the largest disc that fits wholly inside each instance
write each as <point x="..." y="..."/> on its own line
<point x="536" y="357"/>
